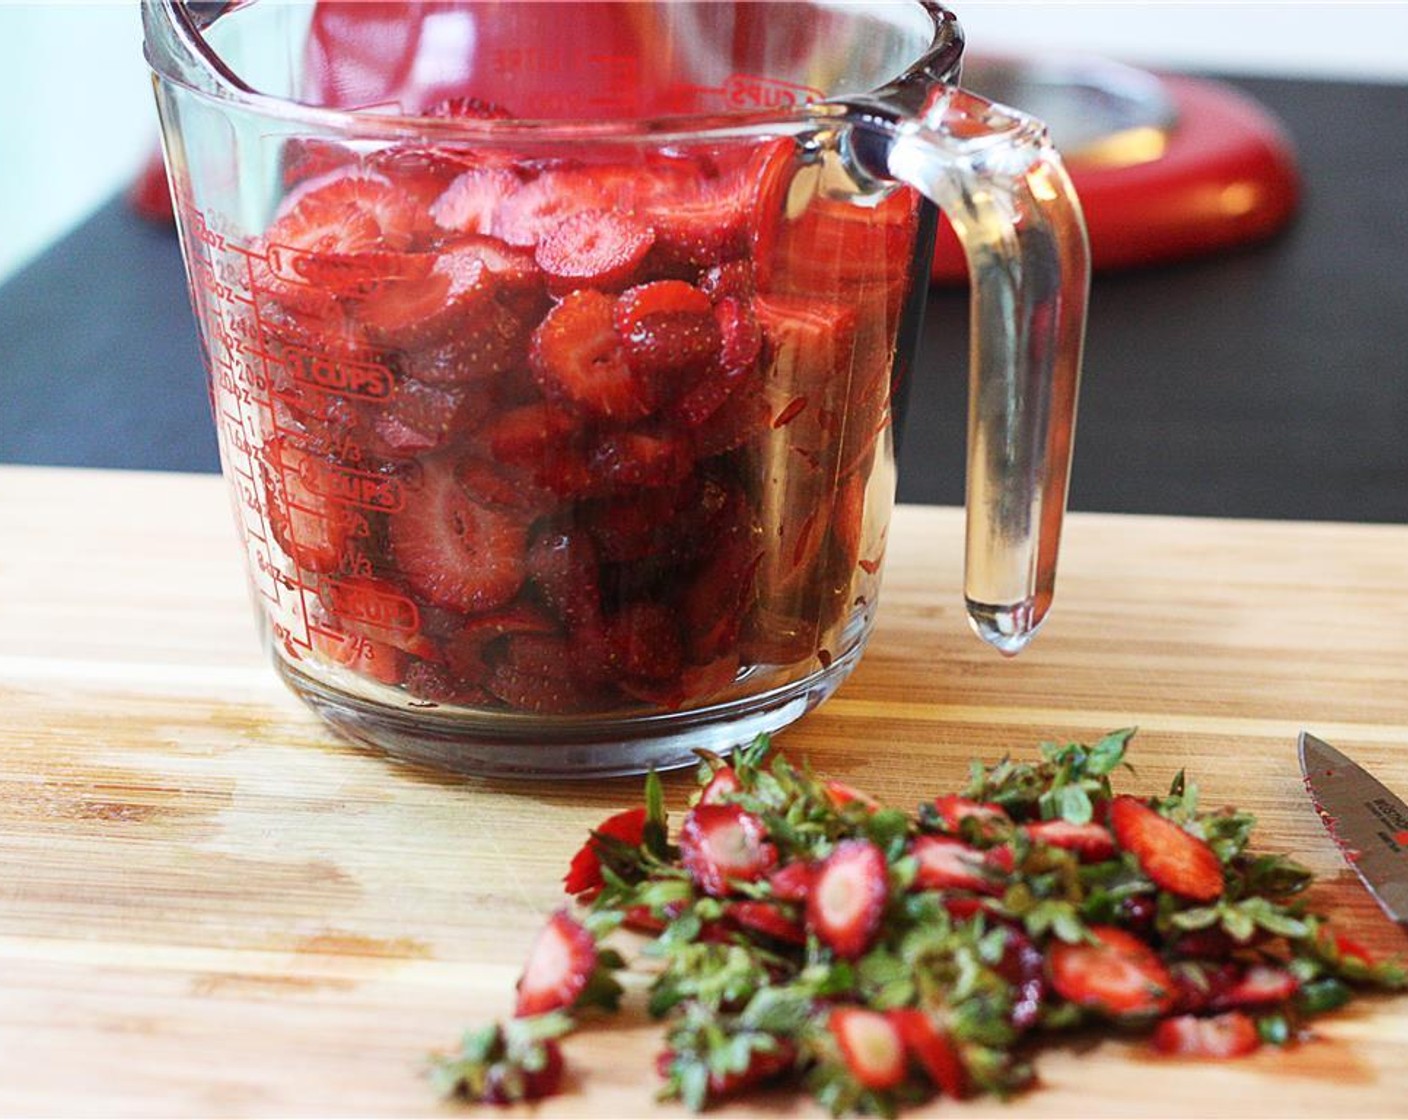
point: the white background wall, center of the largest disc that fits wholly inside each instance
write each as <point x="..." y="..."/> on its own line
<point x="76" y="115"/>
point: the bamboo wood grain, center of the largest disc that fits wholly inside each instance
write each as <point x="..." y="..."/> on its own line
<point x="209" y="905"/>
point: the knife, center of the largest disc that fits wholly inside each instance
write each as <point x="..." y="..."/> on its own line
<point x="1366" y="819"/>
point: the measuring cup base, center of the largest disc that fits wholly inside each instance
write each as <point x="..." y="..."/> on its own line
<point x="495" y="745"/>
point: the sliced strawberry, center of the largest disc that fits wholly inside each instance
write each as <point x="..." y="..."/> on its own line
<point x="762" y="1066"/>
<point x="643" y="641"/>
<point x="730" y="280"/>
<point x="560" y="962"/>
<point x="933" y="1048"/>
<point x="1173" y="858"/>
<point x="716" y="603"/>
<point x="635" y="526"/>
<point x="792" y="882"/>
<point x="669" y="330"/>
<point x="365" y="656"/>
<point x="695" y="684"/>
<point x="1259" y="985"/>
<point x="435" y="682"/>
<point x="598" y="249"/>
<point x="378" y="609"/>
<point x="647" y="456"/>
<point x="767" y="918"/>
<point x="871" y="1046"/>
<point x="584" y="874"/>
<point x="840" y="795"/>
<point x="743" y="415"/>
<point x="467" y="108"/>
<point x="1229" y="1035"/>
<point x="1091" y="842"/>
<point x="563" y="567"/>
<point x="642" y="920"/>
<point x="848" y="897"/>
<point x="344" y="230"/>
<point x="948" y="864"/>
<point x="637" y="305"/>
<point x="502" y="485"/>
<point x="419" y="172"/>
<point x="991" y="820"/>
<point x="966" y="907"/>
<point x="551" y="657"/>
<point x="1118" y="975"/>
<point x="526" y="435"/>
<point x="306" y="521"/>
<point x="539" y="206"/>
<point x="724" y="781"/>
<point x="465" y="642"/>
<point x="469" y="203"/>
<point x="420" y="418"/>
<point x="722" y="843"/>
<point x="470" y="317"/>
<point x="453" y="551"/>
<point x="579" y="358"/>
<point x="698" y="227"/>
<point x="541" y="694"/>
<point x="741" y="337"/>
<point x="706" y="397"/>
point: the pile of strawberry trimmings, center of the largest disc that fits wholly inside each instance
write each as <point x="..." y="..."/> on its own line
<point x="800" y="930"/>
<point x="579" y="430"/>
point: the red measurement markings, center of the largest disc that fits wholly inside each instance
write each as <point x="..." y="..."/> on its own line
<point x="752" y="91"/>
<point x="345" y="377"/>
<point x="371" y="605"/>
<point x="350" y="486"/>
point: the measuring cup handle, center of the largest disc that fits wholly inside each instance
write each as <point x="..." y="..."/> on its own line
<point x="996" y="176"/>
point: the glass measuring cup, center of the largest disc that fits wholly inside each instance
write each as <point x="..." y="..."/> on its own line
<point x="553" y="349"/>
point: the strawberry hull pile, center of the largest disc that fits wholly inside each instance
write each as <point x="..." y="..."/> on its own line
<point x="564" y="435"/>
<point x="800" y="932"/>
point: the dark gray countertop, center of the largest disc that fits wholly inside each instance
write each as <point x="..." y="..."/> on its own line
<point x="1268" y="382"/>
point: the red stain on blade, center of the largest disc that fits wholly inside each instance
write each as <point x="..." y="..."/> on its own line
<point x="1401" y="838"/>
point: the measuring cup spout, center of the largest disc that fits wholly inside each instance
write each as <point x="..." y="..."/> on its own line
<point x="1002" y="186"/>
<point x="176" y="47"/>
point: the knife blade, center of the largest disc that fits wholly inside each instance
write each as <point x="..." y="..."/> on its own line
<point x="1367" y="820"/>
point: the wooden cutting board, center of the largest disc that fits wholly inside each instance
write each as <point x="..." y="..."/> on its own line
<point x="211" y="906"/>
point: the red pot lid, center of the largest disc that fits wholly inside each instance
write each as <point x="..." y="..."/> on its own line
<point x="1167" y="168"/>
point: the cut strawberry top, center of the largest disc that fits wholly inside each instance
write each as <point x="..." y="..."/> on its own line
<point x="954" y="811"/>
<point x="1091" y="842"/>
<point x="848" y="897"/>
<point x="724" y="782"/>
<point x="1229" y="1035"/>
<point x="945" y="863"/>
<point x="584" y="874"/>
<point x="723" y="843"/>
<point x="1117" y="975"/>
<point x="933" y="1048"/>
<point x="560" y="962"/>
<point x="1172" y="857"/>
<point x="871" y="1046"/>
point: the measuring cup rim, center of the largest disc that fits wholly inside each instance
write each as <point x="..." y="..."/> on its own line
<point x="175" y="21"/>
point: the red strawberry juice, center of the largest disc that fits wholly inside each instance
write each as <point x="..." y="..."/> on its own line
<point x="596" y="433"/>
